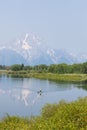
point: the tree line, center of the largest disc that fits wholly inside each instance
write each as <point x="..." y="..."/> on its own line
<point x="53" y="68"/>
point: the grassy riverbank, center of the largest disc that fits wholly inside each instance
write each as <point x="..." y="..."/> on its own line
<point x="50" y="76"/>
<point x="63" y="77"/>
<point x="4" y="71"/>
<point x="62" y="116"/>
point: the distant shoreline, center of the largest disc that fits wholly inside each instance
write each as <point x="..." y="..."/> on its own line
<point x="47" y="76"/>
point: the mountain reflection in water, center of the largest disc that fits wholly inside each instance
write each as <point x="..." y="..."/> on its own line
<point x="20" y="96"/>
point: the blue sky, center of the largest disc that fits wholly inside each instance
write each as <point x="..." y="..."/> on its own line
<point x="60" y="23"/>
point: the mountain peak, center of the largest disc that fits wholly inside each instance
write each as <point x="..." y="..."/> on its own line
<point x="32" y="49"/>
<point x="25" y="43"/>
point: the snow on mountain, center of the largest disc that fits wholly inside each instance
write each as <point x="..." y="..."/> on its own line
<point x="32" y="51"/>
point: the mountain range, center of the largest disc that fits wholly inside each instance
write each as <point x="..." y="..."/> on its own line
<point x="31" y="50"/>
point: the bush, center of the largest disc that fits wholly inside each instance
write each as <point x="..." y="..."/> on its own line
<point x="62" y="116"/>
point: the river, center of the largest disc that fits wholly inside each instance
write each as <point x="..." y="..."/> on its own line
<point x="20" y="96"/>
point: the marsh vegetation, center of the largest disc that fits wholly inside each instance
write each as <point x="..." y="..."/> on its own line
<point x="62" y="116"/>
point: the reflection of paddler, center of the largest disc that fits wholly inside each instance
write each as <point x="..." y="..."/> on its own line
<point x="39" y="92"/>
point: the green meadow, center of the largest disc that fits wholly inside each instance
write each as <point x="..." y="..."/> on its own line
<point x="50" y="76"/>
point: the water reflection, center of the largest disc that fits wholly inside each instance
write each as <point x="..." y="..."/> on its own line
<point x="22" y="95"/>
<point x="83" y="86"/>
<point x="19" y="96"/>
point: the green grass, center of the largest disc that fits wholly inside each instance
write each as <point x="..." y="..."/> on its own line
<point x="3" y="71"/>
<point x="49" y="76"/>
<point x="62" y="77"/>
<point x="62" y="116"/>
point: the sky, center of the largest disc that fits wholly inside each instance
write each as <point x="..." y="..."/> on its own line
<point x="61" y="24"/>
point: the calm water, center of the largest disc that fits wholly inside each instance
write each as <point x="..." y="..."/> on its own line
<point x="19" y="96"/>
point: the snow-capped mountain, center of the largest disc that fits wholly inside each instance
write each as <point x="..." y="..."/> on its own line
<point x="31" y="50"/>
